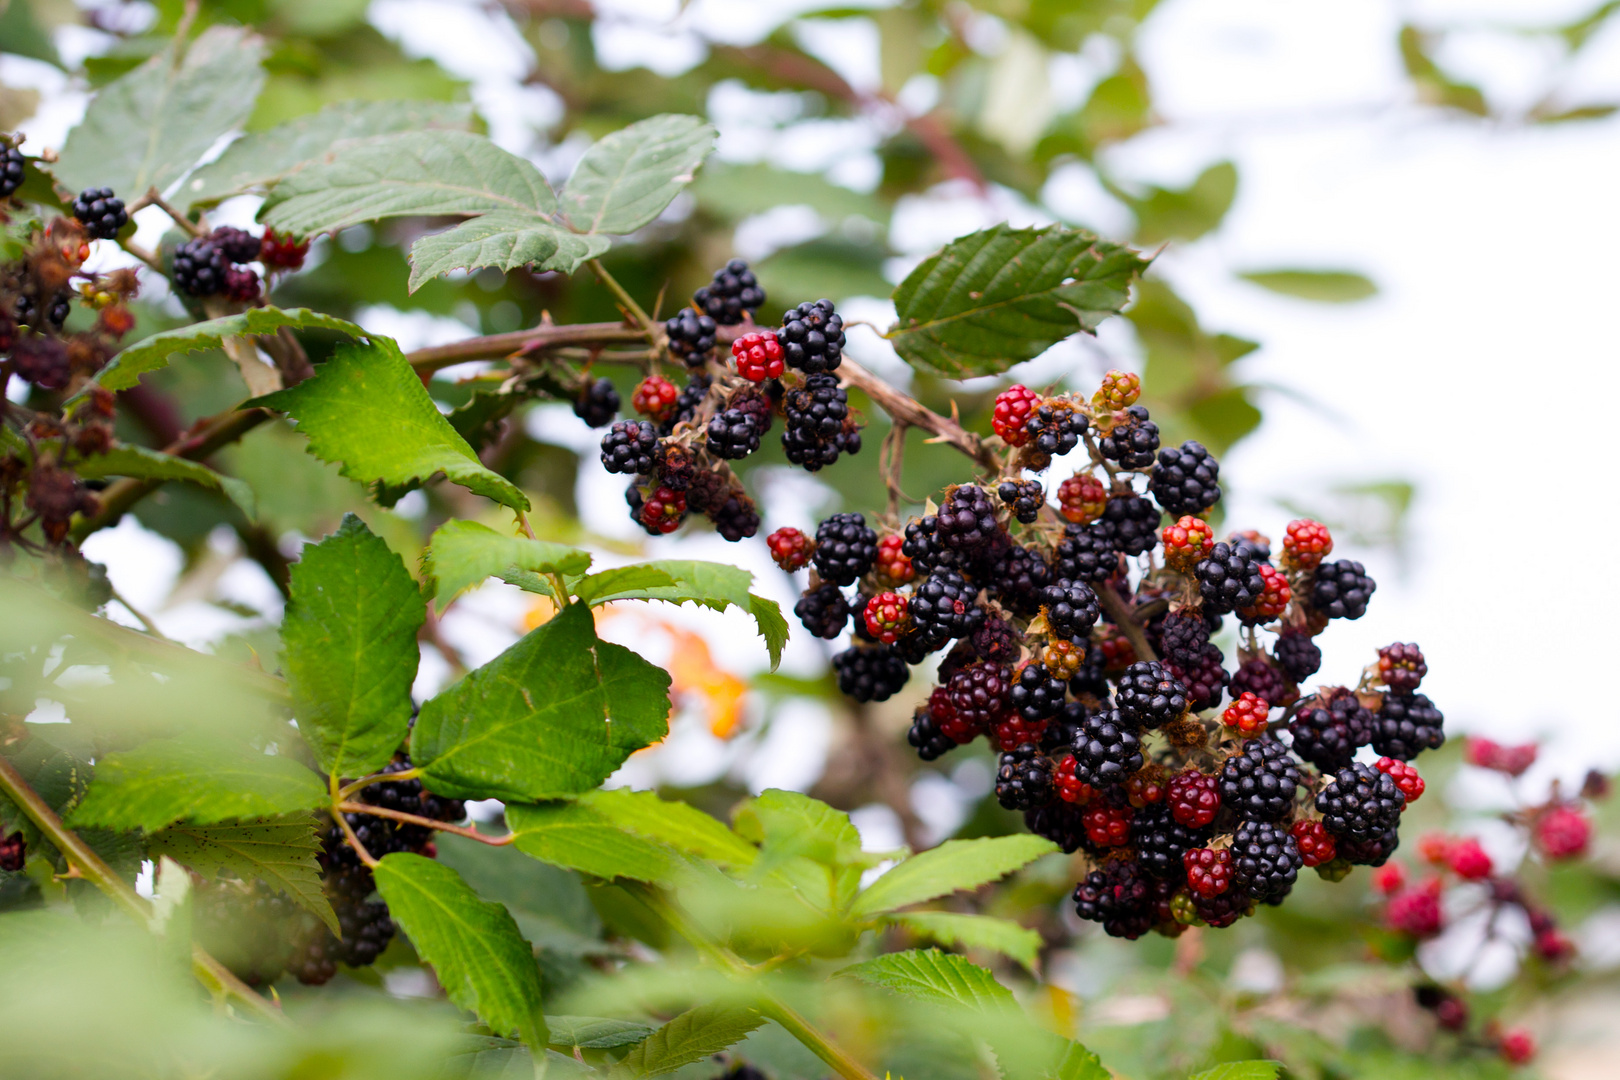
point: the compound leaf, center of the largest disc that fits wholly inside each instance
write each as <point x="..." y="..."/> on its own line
<point x="691" y="1036"/>
<point x="464" y="553"/>
<point x="626" y="179"/>
<point x="951" y="867"/>
<point x="678" y="824"/>
<point x="278" y="851"/>
<point x="169" y="780"/>
<point x="506" y="240"/>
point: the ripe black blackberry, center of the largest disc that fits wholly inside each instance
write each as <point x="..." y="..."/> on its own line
<point x="922" y="547"/>
<point x="967" y="520"/>
<point x="1065" y="730"/>
<point x="927" y="739"/>
<point x="630" y="447"/>
<point x="61" y="307"/>
<point x="13" y="171"/>
<point x="1181" y="635"/>
<point x="1120" y="897"/>
<point x="1132" y="444"/>
<point x="1203" y="673"/>
<point x="845" y="548"/>
<point x="1024" y="780"/>
<point x="1406" y="725"/>
<point x="1253" y="545"/>
<point x="1374" y="851"/>
<point x="1135" y="523"/>
<point x="239" y="245"/>
<point x="1328" y="731"/>
<point x="875" y="673"/>
<point x="691" y="336"/>
<point x="1149" y="696"/>
<point x="1071" y="609"/>
<point x="732" y="434"/>
<point x="1185" y="480"/>
<point x="1341" y="589"/>
<point x="823" y="611"/>
<point x="1091" y="678"/>
<point x="1297" y="655"/>
<point x="1260" y="678"/>
<point x="979" y="693"/>
<point x="734" y="515"/>
<point x="995" y="641"/>
<point x="815" y="430"/>
<point x="916" y="643"/>
<point x="1265" y="860"/>
<point x="733" y="291"/>
<point x="597" y="404"/>
<point x="1014" y="576"/>
<point x="367" y="930"/>
<point x="1026" y="497"/>
<point x="812" y="337"/>
<point x="1360" y="803"/>
<point x="687" y="402"/>
<point x="1059" y="822"/>
<point x="1259" y="782"/>
<point x="752" y="402"/>
<point x="1054" y="429"/>
<point x="1106" y="750"/>
<point x="1037" y="695"/>
<point x="199" y="268"/>
<point x="410" y="797"/>
<point x="1161" y="840"/>
<point x="1086" y="553"/>
<point x="1228" y="579"/>
<point x="947" y="603"/>
<point x="102" y="213"/>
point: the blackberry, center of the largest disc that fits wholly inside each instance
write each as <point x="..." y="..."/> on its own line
<point x="13" y="171"/>
<point x="1193" y="797"/>
<point x="630" y="447"/>
<point x="1228" y="579"/>
<point x="1024" y="780"/>
<point x="1091" y="677"/>
<point x="732" y="434"/>
<point x="817" y="412"/>
<point x="978" y="694"/>
<point x="13" y="852"/>
<point x="199" y="268"/>
<point x="1360" y="803"/>
<point x="1374" y="851"/>
<point x="1086" y="553"/>
<point x="1185" y="480"/>
<point x="921" y="545"/>
<point x="916" y="643"/>
<point x="686" y="404"/>
<point x="1106" y="751"/>
<point x="735" y="517"/>
<point x="845" y="548"/>
<point x="733" y="292"/>
<point x="409" y="796"/>
<point x="812" y="337"/>
<point x="598" y="403"/>
<point x="1223" y="910"/>
<point x="1071" y="609"/>
<point x="1406" y="725"/>
<point x="1119" y="897"/>
<point x="1297" y="655"/>
<point x="1135" y="523"/>
<point x="691" y="336"/>
<point x="1065" y="730"/>
<point x="823" y="611"/>
<point x="1401" y="667"/>
<point x="241" y="246"/>
<point x="1203" y="673"/>
<point x="1054" y="429"/>
<point x="1016" y="576"/>
<point x="1265" y="860"/>
<point x="102" y="213"/>
<point x="1026" y="497"/>
<point x="871" y="674"/>
<point x="1328" y="732"/>
<point x="1035" y="694"/>
<point x="367" y="930"/>
<point x="1149" y="696"/>
<point x="946" y="604"/>
<point x="242" y="284"/>
<point x="927" y="739"/>
<point x="967" y="521"/>
<point x="60" y="309"/>
<point x="995" y="641"/>
<point x="1133" y="443"/>
<point x="676" y="468"/>
<point x="1059" y="822"/>
<point x="1341" y="589"/>
<point x="1259" y="782"/>
<point x="1161" y="840"/>
<point x="314" y="959"/>
<point x="1261" y="679"/>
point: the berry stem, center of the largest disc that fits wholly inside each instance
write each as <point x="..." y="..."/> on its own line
<point x="417" y="819"/>
<point x="149" y="258"/>
<point x="347" y="791"/>
<point x="1122" y="617"/>
<point x="198" y="229"/>
<point x="367" y="858"/>
<point x="903" y="408"/>
<point x="890" y="456"/>
<point x="649" y="329"/>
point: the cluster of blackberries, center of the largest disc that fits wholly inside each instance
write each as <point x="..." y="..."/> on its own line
<point x="215" y="265"/>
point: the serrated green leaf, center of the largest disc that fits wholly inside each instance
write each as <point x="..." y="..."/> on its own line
<point x="577" y="837"/>
<point x="790" y="825"/>
<point x="169" y="780"/>
<point x="1241" y="1070"/>
<point x="260" y="158"/>
<point x="595" y="1032"/>
<point x="552" y="716"/>
<point x="480" y="959"/>
<point x="973" y="932"/>
<point x="506" y="240"/>
<point x="366" y="411"/>
<point x="691" y="1036"/>
<point x="127" y="459"/>
<point x="351" y="652"/>
<point x="150" y="354"/>
<point x="681" y="826"/>
<point x="772" y="626"/>
<point x="406" y="174"/>
<point x="149" y="127"/>
<point x="1326" y="286"/>
<point x="997" y="297"/>
<point x="714" y="585"/>
<point x="621" y="582"/>
<point x="1079" y="1063"/>
<point x="626" y="179"/>
<point x="930" y="975"/>
<point x="463" y="554"/>
<point x="281" y="852"/>
<point x="953" y="866"/>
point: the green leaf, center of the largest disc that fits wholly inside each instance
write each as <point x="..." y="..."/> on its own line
<point x="954" y="866"/>
<point x="150" y="354"/>
<point x="1241" y="1070"/>
<point x="351" y="652"/>
<point x="626" y="179"/>
<point x="772" y="626"/>
<point x="733" y="192"/>
<point x="464" y="553"/>
<point x="681" y="826"/>
<point x="480" y="959"/>
<point x="56" y="776"/>
<point x="411" y="173"/>
<point x="595" y="1032"/>
<point x="1079" y="1063"/>
<point x="619" y="583"/>
<point x="789" y="825"/>
<point x="973" y="932"/>
<point x="714" y="585"/>
<point x="366" y="411"/>
<point x="21" y="34"/>
<point x="127" y="459"/>
<point x="146" y="129"/>
<point x="1326" y="286"/>
<point x="506" y="240"/>
<point x="931" y="975"/>
<point x="995" y="298"/>
<point x="279" y="852"/>
<point x="691" y="1036"/>
<point x="261" y="158"/>
<point x="577" y="837"/>
<point x="168" y="780"/>
<point x="552" y="716"/>
<point x="1165" y="214"/>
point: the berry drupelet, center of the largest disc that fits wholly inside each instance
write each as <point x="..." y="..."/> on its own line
<point x="812" y="338"/>
<point x="733" y="292"/>
<point x="102" y="213"/>
<point x="598" y="403"/>
<point x="1259" y="782"/>
<point x="1401" y="667"/>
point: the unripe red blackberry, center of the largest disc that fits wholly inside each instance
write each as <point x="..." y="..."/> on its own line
<point x="1024" y="779"/>
<point x="885" y="616"/>
<point x="823" y="611"/>
<point x="1203" y="673"/>
<point x="1133" y="441"/>
<point x="1193" y="797"/>
<point x="845" y="548"/>
<point x="282" y="252"/>
<point x="1406" y="725"/>
<point x="1013" y="730"/>
<point x="241" y="285"/>
<point x="1070" y="788"/>
<point x="1082" y="498"/>
<point x="1185" y="480"/>
<point x="1316" y="845"/>
<point x="1562" y="832"/>
<point x="1026" y="497"/>
<point x="1265" y="859"/>
<point x="662" y="511"/>
<point x="1187" y="542"/>
<point x="1209" y="873"/>
<point x="1259" y="782"/>
<point x="1416" y="912"/>
<point x="1108" y="826"/>
<point x="891" y="565"/>
<point x="1297" y="655"/>
<point x="967" y="520"/>
<point x="1468" y="860"/>
<point x="1306" y="544"/>
<point x="1248" y="715"/>
<point x="758" y="356"/>
<point x="812" y="337"/>
<point x="1012" y="409"/>
<point x="690" y="336"/>
<point x="790" y="548"/>
<point x="1360" y="803"/>
<point x="1119" y="390"/>
<point x="1274" y="596"/>
<point x="1517" y="1046"/>
<point x="733" y="293"/>
<point x="955" y="726"/>
<point x="870" y="674"/>
<point x="598" y="402"/>
<point x="1401" y="667"/>
<point x="655" y="397"/>
<point x="13" y="852"/>
<point x="1340" y="590"/>
<point x="1405" y="776"/>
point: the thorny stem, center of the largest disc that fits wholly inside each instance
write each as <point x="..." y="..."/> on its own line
<point x="154" y="198"/>
<point x="86" y="864"/>
<point x="904" y="408"/>
<point x="1121" y="616"/>
<point x="425" y="822"/>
